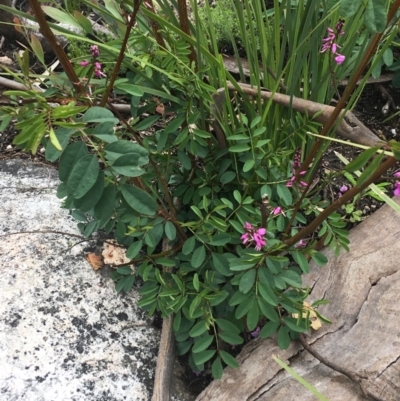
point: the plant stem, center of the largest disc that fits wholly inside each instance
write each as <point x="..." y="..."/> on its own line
<point x="136" y="6"/>
<point x="154" y="25"/>
<point x="184" y="24"/>
<point x="167" y="215"/>
<point x="56" y="46"/>
<point x="391" y="161"/>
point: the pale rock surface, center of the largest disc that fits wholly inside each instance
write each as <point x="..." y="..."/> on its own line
<point x="363" y="288"/>
<point x="65" y="334"/>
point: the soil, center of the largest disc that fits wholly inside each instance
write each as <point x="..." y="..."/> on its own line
<point x="368" y="110"/>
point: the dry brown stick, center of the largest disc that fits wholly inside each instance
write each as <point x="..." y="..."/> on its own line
<point x="349" y="128"/>
<point x="166" y="352"/>
<point x="231" y="65"/>
<point x="9" y="83"/>
<point x="370" y="80"/>
<point x="355" y="377"/>
<point x="165" y="361"/>
<point x="61" y="233"/>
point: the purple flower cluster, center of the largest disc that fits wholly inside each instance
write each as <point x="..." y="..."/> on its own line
<point x="253" y="236"/>
<point x="396" y="191"/>
<point x="95" y="52"/>
<point x="296" y="164"/>
<point x="329" y="43"/>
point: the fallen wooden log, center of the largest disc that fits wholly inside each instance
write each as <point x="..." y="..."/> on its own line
<point x="350" y="127"/>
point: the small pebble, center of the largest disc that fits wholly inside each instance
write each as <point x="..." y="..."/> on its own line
<point x="9" y="147"/>
<point x="42" y="150"/>
<point x="393" y="131"/>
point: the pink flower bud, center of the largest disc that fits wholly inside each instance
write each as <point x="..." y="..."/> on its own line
<point x="84" y="63"/>
<point x="396" y="191"/>
<point x="94" y="50"/>
<point x="277" y="210"/>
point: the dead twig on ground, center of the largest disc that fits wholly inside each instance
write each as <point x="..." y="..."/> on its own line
<point x="83" y="239"/>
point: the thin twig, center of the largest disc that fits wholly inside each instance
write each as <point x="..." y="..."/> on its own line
<point x="370" y="80"/>
<point x="355" y="377"/>
<point x="61" y="233"/>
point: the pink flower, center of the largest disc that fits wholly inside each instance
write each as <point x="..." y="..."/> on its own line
<point x="97" y="70"/>
<point x="94" y="50"/>
<point x="396" y="191"/>
<point x="84" y="63"/>
<point x="248" y="226"/>
<point x="253" y="236"/>
<point x="245" y="238"/>
<point x="342" y="190"/>
<point x="277" y="210"/>
<point x="301" y="244"/>
<point x="339" y="58"/>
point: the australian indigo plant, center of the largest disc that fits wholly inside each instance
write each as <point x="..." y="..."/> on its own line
<point x="234" y="206"/>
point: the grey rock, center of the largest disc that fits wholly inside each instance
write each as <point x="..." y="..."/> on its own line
<point x="65" y="334"/>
